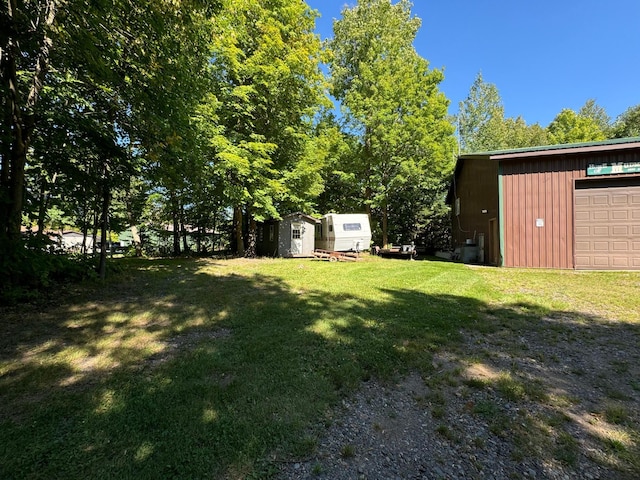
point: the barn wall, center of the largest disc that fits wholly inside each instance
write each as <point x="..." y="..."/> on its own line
<point x="477" y="189"/>
<point x="538" y="207"/>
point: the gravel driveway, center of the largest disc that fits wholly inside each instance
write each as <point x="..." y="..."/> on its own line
<point x="558" y="399"/>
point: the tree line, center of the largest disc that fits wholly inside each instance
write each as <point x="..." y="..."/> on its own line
<point x="483" y="126"/>
<point x="210" y="116"/>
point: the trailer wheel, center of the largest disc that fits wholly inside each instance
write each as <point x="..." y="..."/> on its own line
<point x="333" y="259"/>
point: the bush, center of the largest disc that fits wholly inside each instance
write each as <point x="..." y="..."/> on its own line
<point x="30" y="265"/>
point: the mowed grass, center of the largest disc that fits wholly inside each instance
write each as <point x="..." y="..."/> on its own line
<point x="187" y="368"/>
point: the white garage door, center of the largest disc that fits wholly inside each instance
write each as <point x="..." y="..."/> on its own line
<point x="607" y="227"/>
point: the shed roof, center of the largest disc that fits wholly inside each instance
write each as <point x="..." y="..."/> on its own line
<point x="300" y="216"/>
<point x="562" y="149"/>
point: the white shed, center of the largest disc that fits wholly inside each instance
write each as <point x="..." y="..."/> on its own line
<point x="344" y="232"/>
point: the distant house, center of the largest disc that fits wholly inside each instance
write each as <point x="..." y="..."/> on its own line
<point x="293" y="236"/>
<point x="70" y="241"/>
<point x="574" y="206"/>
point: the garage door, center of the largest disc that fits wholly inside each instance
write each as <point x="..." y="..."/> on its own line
<point x="607" y="226"/>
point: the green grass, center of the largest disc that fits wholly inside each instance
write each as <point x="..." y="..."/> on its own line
<point x="208" y="368"/>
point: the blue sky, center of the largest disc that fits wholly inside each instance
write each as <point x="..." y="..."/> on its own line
<point x="542" y="55"/>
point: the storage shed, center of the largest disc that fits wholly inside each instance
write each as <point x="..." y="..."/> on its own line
<point x="573" y="206"/>
<point x="293" y="236"/>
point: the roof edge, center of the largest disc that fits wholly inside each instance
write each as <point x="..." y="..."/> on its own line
<point x="560" y="149"/>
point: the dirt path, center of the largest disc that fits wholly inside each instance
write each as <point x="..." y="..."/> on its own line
<point x="558" y="399"/>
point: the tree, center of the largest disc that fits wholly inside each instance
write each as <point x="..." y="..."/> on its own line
<point x="26" y="41"/>
<point x="82" y="92"/>
<point x="480" y="118"/>
<point x="268" y="86"/>
<point x="627" y="124"/>
<point x="392" y="102"/>
<point x="596" y="113"/>
<point x="482" y="125"/>
<point x="569" y="127"/>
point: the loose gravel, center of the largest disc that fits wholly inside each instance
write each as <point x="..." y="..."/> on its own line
<point x="537" y="403"/>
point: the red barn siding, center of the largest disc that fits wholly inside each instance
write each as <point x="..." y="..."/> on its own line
<point x="542" y="188"/>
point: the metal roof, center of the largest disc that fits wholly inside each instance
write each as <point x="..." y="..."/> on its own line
<point x="547" y="150"/>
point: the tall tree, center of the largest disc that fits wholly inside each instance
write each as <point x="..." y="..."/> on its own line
<point x="268" y="86"/>
<point x="480" y="118"/>
<point x="28" y="30"/>
<point x="482" y="125"/>
<point x="627" y="124"/>
<point x="391" y="98"/>
<point x="598" y="114"/>
<point x="570" y="127"/>
<point x="106" y="70"/>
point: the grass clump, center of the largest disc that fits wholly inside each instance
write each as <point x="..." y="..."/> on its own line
<point x="616" y="413"/>
<point x="510" y="387"/>
<point x="348" y="451"/>
<point x="566" y="450"/>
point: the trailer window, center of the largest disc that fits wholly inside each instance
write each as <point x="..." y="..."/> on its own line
<point x="351" y="227"/>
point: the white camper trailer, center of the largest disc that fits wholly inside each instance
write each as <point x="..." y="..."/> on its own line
<point x="344" y="232"/>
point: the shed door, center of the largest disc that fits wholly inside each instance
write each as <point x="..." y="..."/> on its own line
<point x="296" y="239"/>
<point x="607" y="225"/>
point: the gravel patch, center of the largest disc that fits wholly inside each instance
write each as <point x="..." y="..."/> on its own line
<point x="524" y="403"/>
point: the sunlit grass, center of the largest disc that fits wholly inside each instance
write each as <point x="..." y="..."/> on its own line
<point x="203" y="368"/>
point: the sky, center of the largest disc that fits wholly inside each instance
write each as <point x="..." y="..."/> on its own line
<point x="543" y="56"/>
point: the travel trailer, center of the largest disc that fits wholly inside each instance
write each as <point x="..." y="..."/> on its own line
<point x="344" y="232"/>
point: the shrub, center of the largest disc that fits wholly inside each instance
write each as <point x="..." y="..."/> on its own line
<point x="31" y="265"/>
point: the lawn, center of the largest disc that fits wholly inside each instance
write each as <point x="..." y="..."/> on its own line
<point x="203" y="368"/>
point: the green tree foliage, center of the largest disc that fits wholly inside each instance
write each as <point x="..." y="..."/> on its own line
<point x="392" y="102"/>
<point x="480" y="118"/>
<point x="627" y="124"/>
<point x="80" y="91"/>
<point x="343" y="174"/>
<point x="482" y="125"/>
<point x="267" y="88"/>
<point x="596" y="113"/>
<point x="570" y="127"/>
<point x="26" y="39"/>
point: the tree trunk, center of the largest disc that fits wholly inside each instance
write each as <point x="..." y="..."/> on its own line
<point x="252" y="236"/>
<point x="385" y="223"/>
<point x="22" y="119"/>
<point x="104" y="226"/>
<point x="183" y="229"/>
<point x="137" y="241"/>
<point x="213" y="232"/>
<point x="176" y="233"/>
<point x="94" y="236"/>
<point x="237" y="224"/>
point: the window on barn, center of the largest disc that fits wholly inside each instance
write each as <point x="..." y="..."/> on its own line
<point x="271" y="233"/>
<point x="295" y="233"/>
<point x="351" y="227"/>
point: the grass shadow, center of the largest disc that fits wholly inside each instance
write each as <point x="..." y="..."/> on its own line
<point x="194" y="368"/>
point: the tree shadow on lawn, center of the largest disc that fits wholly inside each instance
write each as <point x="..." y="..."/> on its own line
<point x="181" y="372"/>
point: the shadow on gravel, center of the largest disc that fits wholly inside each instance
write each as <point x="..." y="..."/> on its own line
<point x="185" y="373"/>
